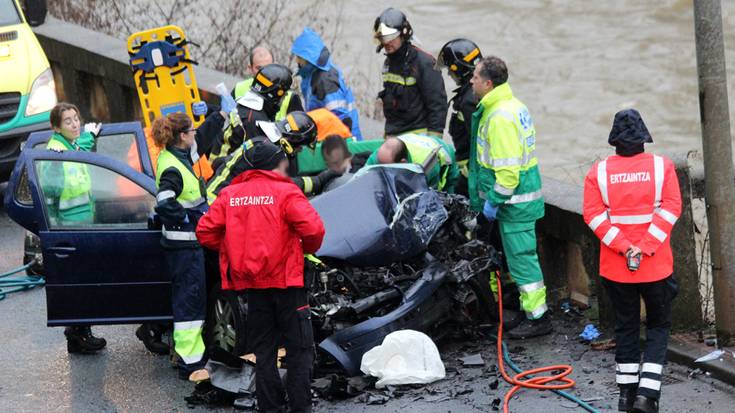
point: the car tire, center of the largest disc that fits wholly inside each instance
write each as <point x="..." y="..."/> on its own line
<point x="227" y="321"/>
<point x="479" y="305"/>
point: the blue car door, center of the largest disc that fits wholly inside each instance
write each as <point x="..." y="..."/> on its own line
<point x="103" y="262"/>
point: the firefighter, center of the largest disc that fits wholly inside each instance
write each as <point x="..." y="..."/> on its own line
<point x="322" y="83"/>
<point x="505" y="184"/>
<point x="293" y="133"/>
<point x="261" y="57"/>
<point x="67" y="187"/>
<point x="413" y="95"/>
<point x="262" y="228"/>
<point x="631" y="202"/>
<point x="260" y="104"/>
<point x="459" y="57"/>
<point x="181" y="201"/>
<point x="432" y="154"/>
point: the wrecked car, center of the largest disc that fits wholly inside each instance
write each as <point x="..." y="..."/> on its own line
<point x="396" y="255"/>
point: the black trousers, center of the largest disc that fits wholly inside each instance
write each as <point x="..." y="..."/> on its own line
<point x="275" y="314"/>
<point x="625" y="298"/>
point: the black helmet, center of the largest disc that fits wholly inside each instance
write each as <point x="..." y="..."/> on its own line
<point x="272" y="82"/>
<point x="459" y="56"/>
<point x="389" y="25"/>
<point x="297" y="129"/>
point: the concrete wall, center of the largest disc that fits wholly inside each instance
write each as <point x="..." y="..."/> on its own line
<point x="91" y="70"/>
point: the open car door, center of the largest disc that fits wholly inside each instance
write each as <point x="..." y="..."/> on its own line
<point x="123" y="141"/>
<point x="107" y="268"/>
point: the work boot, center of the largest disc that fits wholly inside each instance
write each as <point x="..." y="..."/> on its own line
<point x="79" y="339"/>
<point x="150" y="335"/>
<point x="531" y="328"/>
<point x="645" y="404"/>
<point x="512" y="319"/>
<point x="627" y="397"/>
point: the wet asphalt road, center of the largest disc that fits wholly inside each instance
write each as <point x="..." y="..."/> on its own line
<point x="39" y="375"/>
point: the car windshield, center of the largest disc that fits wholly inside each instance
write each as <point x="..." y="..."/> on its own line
<point x="8" y="13"/>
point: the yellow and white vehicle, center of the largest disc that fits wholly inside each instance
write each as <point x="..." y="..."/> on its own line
<point x="27" y="89"/>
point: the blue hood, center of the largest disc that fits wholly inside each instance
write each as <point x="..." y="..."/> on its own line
<point x="310" y="47"/>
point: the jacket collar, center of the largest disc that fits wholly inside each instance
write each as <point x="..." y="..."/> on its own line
<point x="68" y="145"/>
<point x="502" y="92"/>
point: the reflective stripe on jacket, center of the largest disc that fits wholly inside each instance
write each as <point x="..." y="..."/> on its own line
<point x="503" y="164"/>
<point x="633" y="201"/>
<point x="192" y="196"/>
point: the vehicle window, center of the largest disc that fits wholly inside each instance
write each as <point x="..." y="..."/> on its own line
<point x="121" y="147"/>
<point x="23" y="189"/>
<point x="81" y="195"/>
<point x="8" y="14"/>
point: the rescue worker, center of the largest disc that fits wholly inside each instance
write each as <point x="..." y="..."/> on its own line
<point x="631" y="202"/>
<point x="459" y="57"/>
<point x="259" y="58"/>
<point x="434" y="156"/>
<point x="180" y="203"/>
<point x="67" y="187"/>
<point x="322" y="83"/>
<point x="505" y="184"/>
<point x="262" y="228"/>
<point x="413" y="95"/>
<point x="260" y="104"/>
<point x="293" y="133"/>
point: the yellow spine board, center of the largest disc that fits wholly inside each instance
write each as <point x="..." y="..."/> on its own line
<point x="169" y="89"/>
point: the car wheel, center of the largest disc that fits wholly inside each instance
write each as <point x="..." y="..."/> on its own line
<point x="32" y="251"/>
<point x="479" y="305"/>
<point x="227" y="321"/>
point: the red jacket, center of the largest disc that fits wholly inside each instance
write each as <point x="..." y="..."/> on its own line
<point x="262" y="228"/>
<point x="633" y="201"/>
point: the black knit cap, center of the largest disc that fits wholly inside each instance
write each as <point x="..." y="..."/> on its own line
<point x="263" y="155"/>
<point x="628" y="130"/>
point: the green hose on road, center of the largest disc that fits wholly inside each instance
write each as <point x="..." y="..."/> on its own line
<point x="16" y="284"/>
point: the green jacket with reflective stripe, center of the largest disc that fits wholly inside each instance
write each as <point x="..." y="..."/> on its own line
<point x="69" y="199"/>
<point x="503" y="166"/>
<point x="242" y="87"/>
<point x="434" y="155"/>
<point x="191" y="196"/>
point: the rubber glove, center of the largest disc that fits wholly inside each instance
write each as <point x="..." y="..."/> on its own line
<point x="93" y="128"/>
<point x="490" y="211"/>
<point x="227" y="103"/>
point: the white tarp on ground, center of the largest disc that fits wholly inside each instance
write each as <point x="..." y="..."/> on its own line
<point x="405" y="357"/>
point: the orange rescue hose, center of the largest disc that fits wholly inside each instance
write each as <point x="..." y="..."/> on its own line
<point x="521" y="380"/>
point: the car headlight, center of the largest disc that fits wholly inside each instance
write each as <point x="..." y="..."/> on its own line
<point x="43" y="94"/>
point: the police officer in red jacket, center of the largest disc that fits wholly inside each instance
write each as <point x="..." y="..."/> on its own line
<point x="631" y="202"/>
<point x="263" y="226"/>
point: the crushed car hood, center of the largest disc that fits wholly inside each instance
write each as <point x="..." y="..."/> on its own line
<point x="383" y="216"/>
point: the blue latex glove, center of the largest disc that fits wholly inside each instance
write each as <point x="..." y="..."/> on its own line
<point x="227" y="103"/>
<point x="490" y="211"/>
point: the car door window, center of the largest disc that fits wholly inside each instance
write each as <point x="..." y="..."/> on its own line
<point x="82" y="195"/>
<point x="119" y="146"/>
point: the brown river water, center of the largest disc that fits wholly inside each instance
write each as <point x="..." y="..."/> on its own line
<point x="574" y="63"/>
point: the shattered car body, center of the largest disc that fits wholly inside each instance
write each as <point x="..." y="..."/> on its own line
<point x="380" y="276"/>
